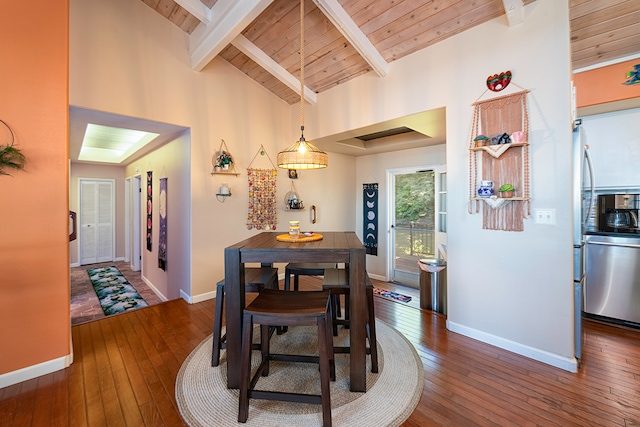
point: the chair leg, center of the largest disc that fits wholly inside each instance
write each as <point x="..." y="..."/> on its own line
<point x="332" y="357"/>
<point x="217" y="325"/>
<point x="287" y="281"/>
<point x="324" y="335"/>
<point x="371" y="331"/>
<point x="334" y="304"/>
<point x="264" y="348"/>
<point x="347" y="311"/>
<point x="245" y="368"/>
<point x="296" y="282"/>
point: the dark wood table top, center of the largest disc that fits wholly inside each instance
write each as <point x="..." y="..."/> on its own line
<point x="265" y="248"/>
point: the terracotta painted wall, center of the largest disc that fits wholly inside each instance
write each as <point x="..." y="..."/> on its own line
<point x="604" y="85"/>
<point x="34" y="278"/>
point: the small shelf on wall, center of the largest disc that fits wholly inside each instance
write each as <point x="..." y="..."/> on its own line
<point x="489" y="149"/>
<point x="501" y="198"/>
<point x="225" y="173"/>
<point x="499" y="202"/>
<point x="229" y="163"/>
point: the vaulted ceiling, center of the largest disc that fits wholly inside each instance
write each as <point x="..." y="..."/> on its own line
<point x="347" y="38"/>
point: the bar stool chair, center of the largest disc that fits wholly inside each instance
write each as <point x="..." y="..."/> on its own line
<point x="256" y="279"/>
<point x="303" y="269"/>
<point x="279" y="307"/>
<point x="336" y="281"/>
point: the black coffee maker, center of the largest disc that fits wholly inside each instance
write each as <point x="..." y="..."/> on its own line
<point x="618" y="213"/>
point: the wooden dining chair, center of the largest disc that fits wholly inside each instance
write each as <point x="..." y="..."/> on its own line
<point x="336" y="281"/>
<point x="280" y="307"/>
<point x="256" y="279"/>
<point x="303" y="269"/>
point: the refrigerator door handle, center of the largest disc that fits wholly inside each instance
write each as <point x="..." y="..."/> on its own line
<point x="622" y="245"/>
<point x="592" y="184"/>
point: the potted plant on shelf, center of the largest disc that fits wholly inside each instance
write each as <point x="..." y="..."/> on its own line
<point x="506" y="191"/>
<point x="481" y="140"/>
<point x="224" y="160"/>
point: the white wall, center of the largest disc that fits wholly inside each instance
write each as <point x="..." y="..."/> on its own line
<point x="614" y="145"/>
<point x="170" y="161"/>
<point x="127" y="59"/>
<point x="510" y="289"/>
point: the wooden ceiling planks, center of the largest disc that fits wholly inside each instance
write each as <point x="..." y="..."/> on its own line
<point x="601" y="30"/>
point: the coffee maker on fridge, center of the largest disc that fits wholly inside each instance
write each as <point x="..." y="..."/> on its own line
<point x="618" y="213"/>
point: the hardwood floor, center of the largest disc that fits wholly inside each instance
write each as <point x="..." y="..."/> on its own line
<point x="126" y="365"/>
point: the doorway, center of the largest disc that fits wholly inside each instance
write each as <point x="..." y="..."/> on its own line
<point x="96" y="224"/>
<point x="134" y="224"/>
<point x="417" y="220"/>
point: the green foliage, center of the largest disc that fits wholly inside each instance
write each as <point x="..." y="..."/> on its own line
<point x="10" y="158"/>
<point x="415" y="199"/>
<point x="506" y="187"/>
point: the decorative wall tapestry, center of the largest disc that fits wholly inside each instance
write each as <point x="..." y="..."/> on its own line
<point x="370" y="223"/>
<point x="263" y="213"/>
<point x="504" y="163"/>
<point x="149" y="210"/>
<point x="162" y="211"/>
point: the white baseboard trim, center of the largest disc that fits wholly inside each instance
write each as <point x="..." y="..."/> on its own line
<point x="154" y="289"/>
<point x="35" y="371"/>
<point x="566" y="363"/>
<point x="378" y="277"/>
<point x="198" y="298"/>
<point x="74" y="264"/>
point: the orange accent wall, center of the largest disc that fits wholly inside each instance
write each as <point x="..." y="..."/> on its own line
<point x="34" y="254"/>
<point x="603" y="85"/>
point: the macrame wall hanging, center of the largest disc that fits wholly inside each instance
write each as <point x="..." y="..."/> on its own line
<point x="263" y="213"/>
<point x="505" y="122"/>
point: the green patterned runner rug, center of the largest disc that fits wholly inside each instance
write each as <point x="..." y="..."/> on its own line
<point x="115" y="293"/>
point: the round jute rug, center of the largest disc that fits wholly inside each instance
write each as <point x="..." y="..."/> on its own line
<point x="392" y="394"/>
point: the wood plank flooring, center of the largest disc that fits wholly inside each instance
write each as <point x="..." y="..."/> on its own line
<point x="126" y="365"/>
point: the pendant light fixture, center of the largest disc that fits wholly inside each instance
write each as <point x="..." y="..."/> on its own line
<point x="302" y="154"/>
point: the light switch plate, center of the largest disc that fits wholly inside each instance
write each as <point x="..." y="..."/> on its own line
<point x="545" y="216"/>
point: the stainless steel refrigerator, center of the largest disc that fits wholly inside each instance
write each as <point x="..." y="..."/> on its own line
<point x="583" y="187"/>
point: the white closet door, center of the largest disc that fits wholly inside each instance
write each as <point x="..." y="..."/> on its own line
<point x="96" y="221"/>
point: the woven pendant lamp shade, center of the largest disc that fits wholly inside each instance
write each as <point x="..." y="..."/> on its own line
<point x="302" y="154"/>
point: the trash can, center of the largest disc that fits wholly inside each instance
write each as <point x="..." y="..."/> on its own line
<point x="433" y="284"/>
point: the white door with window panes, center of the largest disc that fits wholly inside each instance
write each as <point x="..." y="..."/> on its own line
<point x="417" y="220"/>
<point x="96" y="221"/>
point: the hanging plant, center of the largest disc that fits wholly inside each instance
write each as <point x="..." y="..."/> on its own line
<point x="10" y="157"/>
<point x="224" y="158"/>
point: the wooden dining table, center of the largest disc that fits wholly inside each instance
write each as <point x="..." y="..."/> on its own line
<point x="264" y="248"/>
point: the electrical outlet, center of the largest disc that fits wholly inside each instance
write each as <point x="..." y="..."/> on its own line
<point x="545" y="216"/>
